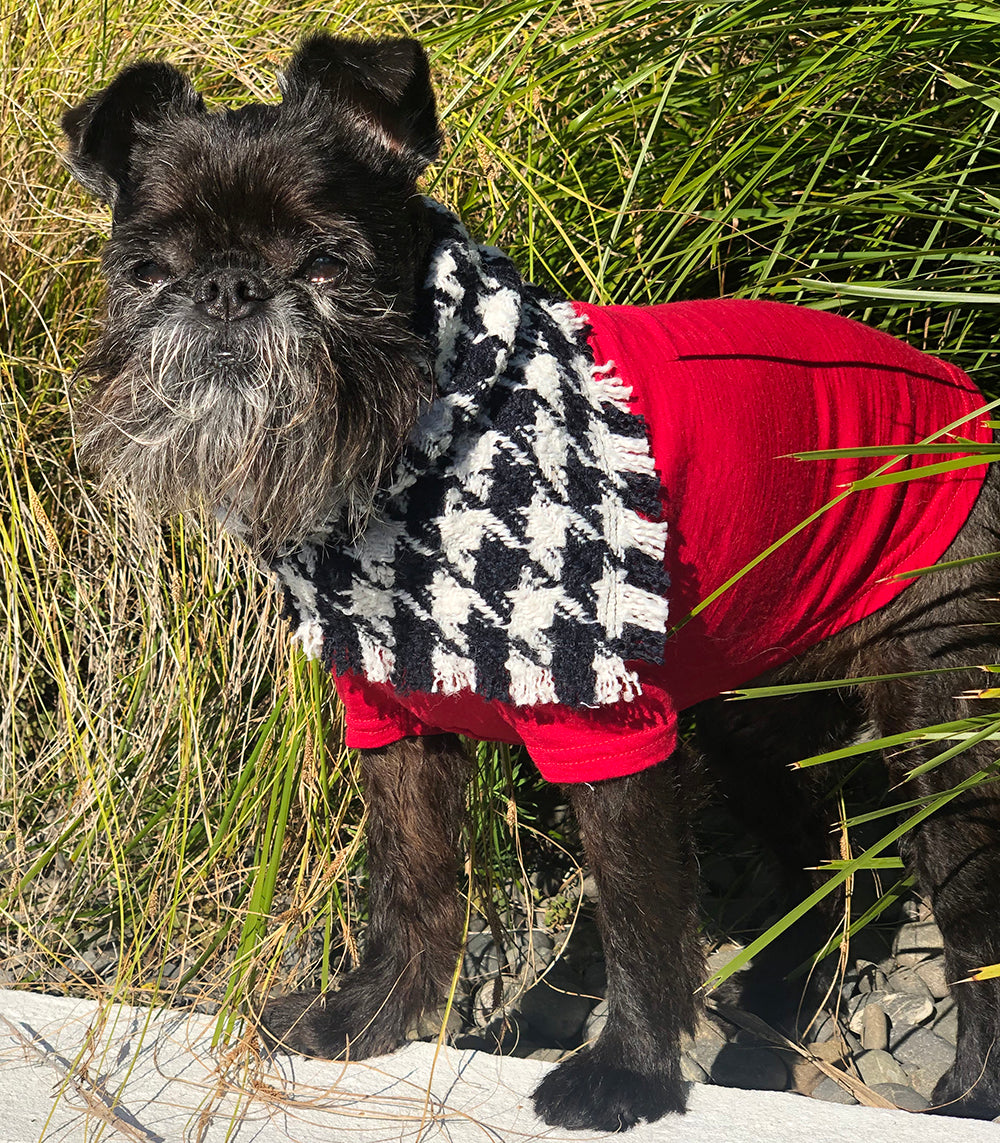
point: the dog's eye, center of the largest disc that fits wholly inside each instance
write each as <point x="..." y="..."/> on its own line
<point x="150" y="274"/>
<point x="322" y="269"/>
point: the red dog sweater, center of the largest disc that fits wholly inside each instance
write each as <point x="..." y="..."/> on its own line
<point x="729" y="390"/>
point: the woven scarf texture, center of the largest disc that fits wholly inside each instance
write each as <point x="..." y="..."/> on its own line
<point x="517" y="551"/>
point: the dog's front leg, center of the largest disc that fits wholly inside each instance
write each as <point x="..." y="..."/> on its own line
<point x="636" y="834"/>
<point x="415" y="792"/>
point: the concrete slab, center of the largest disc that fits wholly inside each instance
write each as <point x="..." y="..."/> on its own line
<point x="74" y="1071"/>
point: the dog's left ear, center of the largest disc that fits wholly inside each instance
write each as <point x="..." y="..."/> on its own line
<point x="103" y="130"/>
<point x="385" y="83"/>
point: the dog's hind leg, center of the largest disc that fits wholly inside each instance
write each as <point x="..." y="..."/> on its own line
<point x="946" y="621"/>
<point x="956" y="855"/>
<point x="748" y="747"/>
<point x="637" y="837"/>
<point x="415" y="793"/>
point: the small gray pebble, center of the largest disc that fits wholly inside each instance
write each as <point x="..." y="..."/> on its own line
<point x="550" y="1055"/>
<point x="869" y="977"/>
<point x="832" y="1049"/>
<point x="429" y="1025"/>
<point x="692" y="1071"/>
<point x="541" y="943"/>
<point x="926" y="1058"/>
<point x="831" y="1092"/>
<point x="932" y="973"/>
<point x="596" y="1020"/>
<point x="537" y="955"/>
<point x="483" y="999"/>
<point x="482" y="958"/>
<point x="946" y="1023"/>
<point x="910" y="981"/>
<point x="856" y="1006"/>
<point x="708" y="1043"/>
<point x="924" y="1080"/>
<point x="100" y="962"/>
<point x="822" y="1029"/>
<point x="901" y="1008"/>
<point x="914" y="909"/>
<point x="915" y="942"/>
<point x="874" y="1028"/>
<point x="904" y="1008"/>
<point x="902" y="1096"/>
<point x="879" y="1067"/>
<point x="758" y="1069"/>
<point x="922" y="1048"/>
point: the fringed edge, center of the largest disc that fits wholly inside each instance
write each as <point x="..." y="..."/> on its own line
<point x="635" y="602"/>
<point x="300" y="609"/>
<point x="605" y="387"/>
<point x="632" y="599"/>
<point x="621" y="603"/>
<point x="613" y="681"/>
<point x="625" y="530"/>
<point x="309" y="636"/>
<point x="378" y="661"/>
<point x="530" y="684"/>
<point x="452" y="673"/>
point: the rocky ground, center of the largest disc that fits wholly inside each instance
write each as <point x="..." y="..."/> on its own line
<point x="539" y="992"/>
<point x="895" y="1032"/>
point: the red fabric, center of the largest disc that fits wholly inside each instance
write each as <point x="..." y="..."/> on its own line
<point x="728" y="390"/>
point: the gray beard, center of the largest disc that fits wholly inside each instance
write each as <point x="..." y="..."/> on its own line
<point x="256" y="428"/>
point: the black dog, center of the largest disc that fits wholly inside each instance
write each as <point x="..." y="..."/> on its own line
<point x="299" y="342"/>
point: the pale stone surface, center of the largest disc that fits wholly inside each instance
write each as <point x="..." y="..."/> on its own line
<point x="78" y="1070"/>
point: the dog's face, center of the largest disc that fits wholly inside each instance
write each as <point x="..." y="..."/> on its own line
<point x="257" y="357"/>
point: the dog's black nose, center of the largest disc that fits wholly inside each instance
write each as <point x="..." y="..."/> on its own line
<point x="230" y="294"/>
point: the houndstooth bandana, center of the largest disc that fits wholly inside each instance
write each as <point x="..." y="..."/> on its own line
<point x="516" y="552"/>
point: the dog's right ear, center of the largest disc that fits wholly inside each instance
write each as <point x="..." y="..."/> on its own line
<point x="383" y="85"/>
<point x="103" y="130"/>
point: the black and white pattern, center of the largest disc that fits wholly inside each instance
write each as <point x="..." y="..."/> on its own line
<point x="516" y="552"/>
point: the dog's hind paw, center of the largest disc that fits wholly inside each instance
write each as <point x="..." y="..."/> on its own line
<point x="976" y="1098"/>
<point x="324" y="1024"/>
<point x="587" y="1092"/>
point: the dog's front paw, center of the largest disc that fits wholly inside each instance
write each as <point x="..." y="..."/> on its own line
<point x="975" y="1097"/>
<point x="330" y="1025"/>
<point x="591" y="1093"/>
